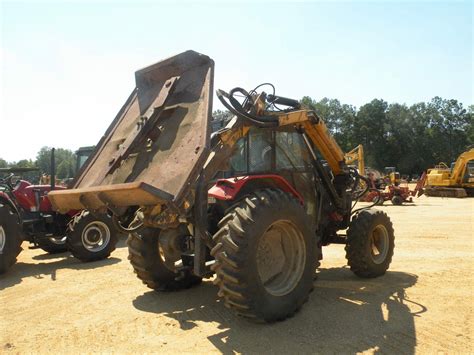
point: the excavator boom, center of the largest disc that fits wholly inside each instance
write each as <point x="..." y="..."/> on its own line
<point x="356" y="155"/>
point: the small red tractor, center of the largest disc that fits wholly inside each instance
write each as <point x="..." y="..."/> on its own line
<point x="26" y="214"/>
<point x="389" y="189"/>
<point x="396" y="194"/>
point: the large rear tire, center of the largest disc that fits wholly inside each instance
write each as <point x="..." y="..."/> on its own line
<point x="10" y="238"/>
<point x="370" y="243"/>
<point x="149" y="263"/>
<point x="91" y="238"/>
<point x="265" y="256"/>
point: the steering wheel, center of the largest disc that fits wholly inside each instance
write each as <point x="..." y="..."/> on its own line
<point x="7" y="181"/>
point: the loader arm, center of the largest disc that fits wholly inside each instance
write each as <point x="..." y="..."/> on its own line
<point x="307" y="122"/>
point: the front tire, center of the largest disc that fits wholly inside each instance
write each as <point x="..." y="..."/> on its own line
<point x="370" y="243"/>
<point x="397" y="200"/>
<point x="265" y="256"/>
<point x="378" y="200"/>
<point x="91" y="238"/>
<point x="10" y="238"/>
<point x="149" y="263"/>
<point x="52" y="245"/>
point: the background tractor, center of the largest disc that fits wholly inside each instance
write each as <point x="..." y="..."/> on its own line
<point x="253" y="206"/>
<point x="381" y="188"/>
<point x="26" y="214"/>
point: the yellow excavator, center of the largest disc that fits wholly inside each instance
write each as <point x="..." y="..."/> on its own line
<point x="356" y="155"/>
<point x="454" y="181"/>
<point x="287" y="191"/>
<point x="356" y="158"/>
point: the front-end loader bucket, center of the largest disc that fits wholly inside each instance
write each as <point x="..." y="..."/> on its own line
<point x="157" y="144"/>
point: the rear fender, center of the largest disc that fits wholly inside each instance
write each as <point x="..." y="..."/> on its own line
<point x="233" y="188"/>
<point x="6" y="200"/>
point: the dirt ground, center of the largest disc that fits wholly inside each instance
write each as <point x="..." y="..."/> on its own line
<point x="424" y="304"/>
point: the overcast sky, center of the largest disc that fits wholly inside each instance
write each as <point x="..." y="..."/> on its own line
<point x="67" y="67"/>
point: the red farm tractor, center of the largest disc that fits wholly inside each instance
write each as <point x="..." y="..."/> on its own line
<point x="251" y="205"/>
<point x="26" y="214"/>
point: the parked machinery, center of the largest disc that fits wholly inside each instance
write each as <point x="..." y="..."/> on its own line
<point x="392" y="176"/>
<point x="260" y="231"/>
<point x="454" y="181"/>
<point x="356" y="155"/>
<point x="381" y="189"/>
<point x="26" y="214"/>
<point x="82" y="154"/>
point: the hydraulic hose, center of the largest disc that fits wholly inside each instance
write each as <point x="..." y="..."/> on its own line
<point x="128" y="230"/>
<point x="234" y="106"/>
<point x="367" y="189"/>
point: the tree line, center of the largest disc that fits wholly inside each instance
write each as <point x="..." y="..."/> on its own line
<point x="411" y="138"/>
<point x="65" y="164"/>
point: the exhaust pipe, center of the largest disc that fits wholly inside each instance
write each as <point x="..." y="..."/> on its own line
<point x="53" y="170"/>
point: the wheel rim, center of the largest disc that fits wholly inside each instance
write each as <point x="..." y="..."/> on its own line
<point x="58" y="240"/>
<point x="281" y="258"/>
<point x="3" y="238"/>
<point x="379" y="244"/>
<point x="165" y="259"/>
<point x="96" y="236"/>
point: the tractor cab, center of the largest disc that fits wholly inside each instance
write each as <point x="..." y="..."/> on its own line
<point x="82" y="154"/>
<point x="269" y="158"/>
<point x="469" y="173"/>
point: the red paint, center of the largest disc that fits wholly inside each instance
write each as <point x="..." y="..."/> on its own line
<point x="334" y="216"/>
<point x="25" y="194"/>
<point x="228" y="189"/>
<point x="404" y="192"/>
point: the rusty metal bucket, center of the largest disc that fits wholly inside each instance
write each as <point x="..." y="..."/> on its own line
<point x="156" y="145"/>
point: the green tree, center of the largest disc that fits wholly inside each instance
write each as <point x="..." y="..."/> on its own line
<point x="32" y="176"/>
<point x="220" y="119"/>
<point x="338" y="117"/>
<point x="410" y="138"/>
<point x="65" y="169"/>
<point x="64" y="158"/>
<point x="371" y="129"/>
<point x="470" y="130"/>
<point x="448" y="127"/>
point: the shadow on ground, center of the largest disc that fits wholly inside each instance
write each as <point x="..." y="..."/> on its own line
<point x="22" y="270"/>
<point x="122" y="243"/>
<point x="344" y="314"/>
<point x="405" y="204"/>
